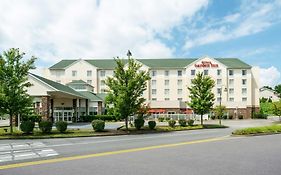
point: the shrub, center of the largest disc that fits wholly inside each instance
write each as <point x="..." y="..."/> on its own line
<point x="224" y="117"/>
<point x="172" y="123"/>
<point x="240" y="117"/>
<point x="46" y="126"/>
<point x="168" y="119"/>
<point x="213" y="117"/>
<point x="260" y="116"/>
<point x="61" y="126"/>
<point x="27" y="127"/>
<point x="182" y="122"/>
<point x="139" y="122"/>
<point x="151" y="124"/>
<point x="160" y="119"/>
<point x="230" y="117"/>
<point x="98" y="125"/>
<point x="89" y="118"/>
<point x="190" y="122"/>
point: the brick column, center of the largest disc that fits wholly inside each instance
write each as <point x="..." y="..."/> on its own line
<point x="46" y="106"/>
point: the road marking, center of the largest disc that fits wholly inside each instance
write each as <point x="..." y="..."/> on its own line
<point x="25" y="151"/>
<point x="17" y="165"/>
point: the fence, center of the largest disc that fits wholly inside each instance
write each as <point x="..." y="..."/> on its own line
<point x="178" y="116"/>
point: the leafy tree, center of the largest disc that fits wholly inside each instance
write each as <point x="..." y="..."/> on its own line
<point x="278" y="90"/>
<point x="219" y="112"/>
<point x="14" y="99"/>
<point x="126" y="88"/>
<point x="201" y="95"/>
<point x="277" y="109"/>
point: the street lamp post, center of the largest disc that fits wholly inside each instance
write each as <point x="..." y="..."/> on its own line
<point x="220" y="101"/>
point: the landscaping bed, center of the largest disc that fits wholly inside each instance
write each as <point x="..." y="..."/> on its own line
<point x="37" y="134"/>
<point x="262" y="130"/>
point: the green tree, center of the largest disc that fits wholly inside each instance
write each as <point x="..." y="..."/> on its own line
<point x="13" y="83"/>
<point x="277" y="109"/>
<point x="201" y="95"/>
<point x="126" y="88"/>
<point x="219" y="112"/>
<point x="278" y="90"/>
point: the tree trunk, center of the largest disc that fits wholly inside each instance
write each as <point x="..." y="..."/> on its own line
<point x="202" y="119"/>
<point x="126" y="123"/>
<point x="11" y="123"/>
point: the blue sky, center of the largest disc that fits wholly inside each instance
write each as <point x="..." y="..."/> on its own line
<point x="69" y="29"/>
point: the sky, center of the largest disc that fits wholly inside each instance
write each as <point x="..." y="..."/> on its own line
<point x="52" y="30"/>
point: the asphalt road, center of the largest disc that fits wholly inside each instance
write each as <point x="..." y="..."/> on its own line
<point x="186" y="152"/>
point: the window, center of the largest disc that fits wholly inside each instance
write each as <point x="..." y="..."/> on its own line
<point x="102" y="73"/>
<point x="166" y="91"/>
<point x="89" y="73"/>
<point x="231" y="91"/>
<point x="166" y="73"/>
<point x="179" y="73"/>
<point x="230" y="72"/>
<point x="179" y="82"/>
<point x="167" y="82"/>
<point x="206" y="72"/>
<point x="103" y="90"/>
<point x="219" y="81"/>
<point x="219" y="72"/>
<point x="244" y="81"/>
<point x="154" y="99"/>
<point x="231" y="82"/>
<point x="219" y="99"/>
<point x="244" y="91"/>
<point x="89" y="81"/>
<point x="74" y="73"/>
<point x="153" y="82"/>
<point x="153" y="91"/>
<point x="179" y="99"/>
<point x="193" y="72"/>
<point x="179" y="91"/>
<point x="153" y="73"/>
<point x="218" y="90"/>
<point x="102" y="82"/>
<point x="244" y="99"/>
<point x="244" y="72"/>
<point x="231" y="99"/>
<point x="167" y="99"/>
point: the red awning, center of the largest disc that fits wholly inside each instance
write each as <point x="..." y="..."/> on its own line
<point x="156" y="110"/>
<point x="188" y="111"/>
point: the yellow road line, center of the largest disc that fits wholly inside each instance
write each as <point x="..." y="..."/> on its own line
<point x="24" y="164"/>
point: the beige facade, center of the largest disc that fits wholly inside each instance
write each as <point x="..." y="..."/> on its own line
<point x="167" y="88"/>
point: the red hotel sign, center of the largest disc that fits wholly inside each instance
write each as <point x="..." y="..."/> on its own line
<point x="206" y="64"/>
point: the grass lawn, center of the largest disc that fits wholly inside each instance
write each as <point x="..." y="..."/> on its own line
<point x="273" y="129"/>
<point x="37" y="134"/>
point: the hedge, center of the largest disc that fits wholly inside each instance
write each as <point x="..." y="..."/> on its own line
<point x="90" y="118"/>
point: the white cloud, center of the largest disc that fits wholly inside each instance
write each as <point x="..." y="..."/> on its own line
<point x="56" y="29"/>
<point x="253" y="17"/>
<point x="269" y="76"/>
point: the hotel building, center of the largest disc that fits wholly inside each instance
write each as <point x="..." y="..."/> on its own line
<point x="236" y="83"/>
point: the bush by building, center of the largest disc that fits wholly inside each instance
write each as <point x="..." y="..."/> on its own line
<point x="190" y="122"/>
<point x="61" y="126"/>
<point x="45" y="126"/>
<point x="182" y="122"/>
<point x="139" y="122"/>
<point x="172" y="123"/>
<point x="151" y="124"/>
<point x="98" y="125"/>
<point x="89" y="118"/>
<point x="259" y="116"/>
<point x="27" y="127"/>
